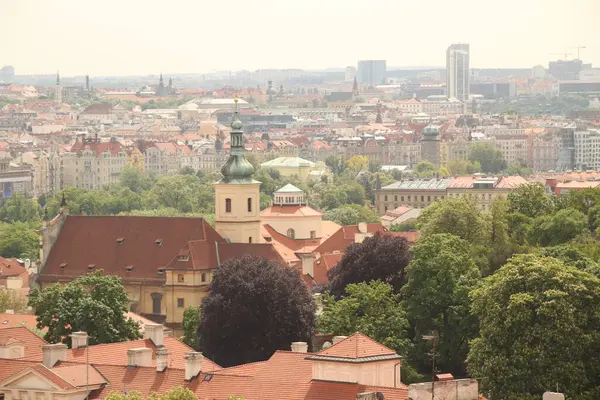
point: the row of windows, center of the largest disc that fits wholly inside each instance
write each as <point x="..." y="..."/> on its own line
<point x="228" y="205"/>
<point x="181" y="277"/>
<point x="416" y="198"/>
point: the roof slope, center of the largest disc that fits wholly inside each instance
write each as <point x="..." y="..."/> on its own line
<point x="32" y="342"/>
<point x="344" y="237"/>
<point x="355" y="347"/>
<point x="113" y="243"/>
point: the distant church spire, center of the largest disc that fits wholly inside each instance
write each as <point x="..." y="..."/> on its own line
<point x="57" y="78"/>
<point x="355" y="87"/>
<point x="160" y="90"/>
<point x="379" y="119"/>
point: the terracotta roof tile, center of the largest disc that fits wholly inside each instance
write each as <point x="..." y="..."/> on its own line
<point x="95" y="239"/>
<point x="77" y="376"/>
<point x="14" y="320"/>
<point x="32" y="342"/>
<point x="344" y="237"/>
<point x="324" y="264"/>
<point x="356" y="346"/>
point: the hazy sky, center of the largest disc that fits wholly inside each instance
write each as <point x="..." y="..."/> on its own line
<point x="122" y="37"/>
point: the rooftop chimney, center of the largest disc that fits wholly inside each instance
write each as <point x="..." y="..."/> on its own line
<point x="53" y="353"/>
<point x="79" y="339"/>
<point x="8" y="311"/>
<point x="308" y="263"/>
<point x="193" y="365"/>
<point x="337" y="339"/>
<point x="140" y="357"/>
<point x="299" y="347"/>
<point x="156" y="333"/>
<point x="553" y="396"/>
<point x="162" y="358"/>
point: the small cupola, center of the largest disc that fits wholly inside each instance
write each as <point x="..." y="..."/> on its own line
<point x="289" y="195"/>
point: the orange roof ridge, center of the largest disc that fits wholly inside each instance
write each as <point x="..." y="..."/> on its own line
<point x="356" y="346"/>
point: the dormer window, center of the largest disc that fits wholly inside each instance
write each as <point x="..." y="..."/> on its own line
<point x="161" y="271"/>
<point x="129" y="268"/>
<point x="63" y="265"/>
<point x="120" y="240"/>
<point x="158" y="242"/>
<point x="183" y="257"/>
<point x="91" y="267"/>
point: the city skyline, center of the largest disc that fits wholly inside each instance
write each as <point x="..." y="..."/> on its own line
<point x="140" y="38"/>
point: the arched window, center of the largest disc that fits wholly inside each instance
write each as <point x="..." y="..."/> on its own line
<point x="291" y="233"/>
<point x="227" y="205"/>
<point x="249" y="204"/>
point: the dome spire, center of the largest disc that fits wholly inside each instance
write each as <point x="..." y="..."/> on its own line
<point x="237" y="168"/>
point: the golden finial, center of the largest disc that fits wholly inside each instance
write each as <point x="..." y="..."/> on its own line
<point x="235" y="99"/>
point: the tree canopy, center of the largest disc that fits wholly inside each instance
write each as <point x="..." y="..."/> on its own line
<point x="436" y="298"/>
<point x="190" y="325"/>
<point x="351" y="214"/>
<point x="489" y="158"/>
<point x="254" y="308"/>
<point x="530" y="200"/>
<point x="561" y="227"/>
<point x="176" y="393"/>
<point x="538" y="321"/>
<point x="94" y="303"/>
<point x="380" y="257"/>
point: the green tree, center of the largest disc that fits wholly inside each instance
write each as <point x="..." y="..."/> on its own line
<point x="457" y="216"/>
<point x="410" y="225"/>
<point x="176" y="393"/>
<point x="500" y="246"/>
<point x="20" y="209"/>
<point x="571" y="255"/>
<point x="489" y="158"/>
<point x="530" y="200"/>
<point x="351" y="214"/>
<point x="190" y="325"/>
<point x="463" y="167"/>
<point x="538" y="321"/>
<point x="254" y="308"/>
<point x="12" y="300"/>
<point x="179" y="192"/>
<point x="358" y="163"/>
<point x="370" y="308"/>
<point x="425" y="169"/>
<point x="19" y="240"/>
<point x="517" y="169"/>
<point x="438" y="281"/>
<point x="94" y="303"/>
<point x="134" y="179"/>
<point x="563" y="226"/>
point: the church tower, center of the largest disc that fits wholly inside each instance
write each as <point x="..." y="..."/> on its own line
<point x="58" y="90"/>
<point x="237" y="195"/>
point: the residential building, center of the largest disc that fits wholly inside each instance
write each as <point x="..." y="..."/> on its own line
<point x="457" y="71"/>
<point x="97" y="113"/>
<point x="351" y="368"/>
<point x="40" y="163"/>
<point x="566" y="148"/>
<point x="165" y="158"/>
<point x="420" y="193"/>
<point x="544" y="151"/>
<point x="295" y="166"/>
<point x="484" y="189"/>
<point x="416" y="193"/>
<point x="514" y="143"/>
<point x="15" y="179"/>
<point x="400" y="215"/>
<point x="92" y="164"/>
<point x="371" y="72"/>
<point x="587" y="149"/>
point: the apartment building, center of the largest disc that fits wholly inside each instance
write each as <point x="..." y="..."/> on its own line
<point x="544" y="152"/>
<point x="92" y="164"/>
<point x="513" y="143"/>
<point x="587" y="149"/>
<point x="15" y="179"/>
<point x="166" y="158"/>
<point x="420" y="193"/>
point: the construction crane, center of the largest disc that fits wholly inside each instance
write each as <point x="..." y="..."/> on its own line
<point x="578" y="47"/>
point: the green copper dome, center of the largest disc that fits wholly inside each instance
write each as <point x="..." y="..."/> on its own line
<point x="431" y="130"/>
<point x="237" y="168"/>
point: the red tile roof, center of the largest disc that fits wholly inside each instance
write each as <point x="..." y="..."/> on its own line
<point x="15" y="320"/>
<point x="344" y="237"/>
<point x="79" y="375"/>
<point x="85" y="241"/>
<point x="356" y="346"/>
<point x="99" y="108"/>
<point x="324" y="264"/>
<point x="32" y="342"/>
<point x="289" y="211"/>
<point x="284" y="376"/>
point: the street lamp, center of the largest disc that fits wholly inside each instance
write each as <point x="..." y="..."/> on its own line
<point x="432" y="337"/>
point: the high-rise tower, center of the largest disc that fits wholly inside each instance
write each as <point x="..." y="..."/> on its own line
<point x="237" y="195"/>
<point x="457" y="71"/>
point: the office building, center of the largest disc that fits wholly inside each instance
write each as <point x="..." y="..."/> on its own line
<point x="457" y="71"/>
<point x="371" y="72"/>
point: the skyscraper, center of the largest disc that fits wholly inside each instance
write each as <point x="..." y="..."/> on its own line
<point x="371" y="72"/>
<point x="457" y="71"/>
